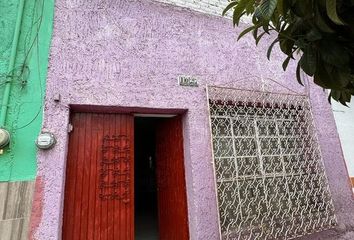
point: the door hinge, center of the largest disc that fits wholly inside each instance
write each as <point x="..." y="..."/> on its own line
<point x="70" y="128"/>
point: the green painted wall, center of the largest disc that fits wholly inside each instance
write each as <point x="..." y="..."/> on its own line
<point x="24" y="118"/>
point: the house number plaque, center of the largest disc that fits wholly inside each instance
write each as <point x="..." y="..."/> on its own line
<point x="187" y="81"/>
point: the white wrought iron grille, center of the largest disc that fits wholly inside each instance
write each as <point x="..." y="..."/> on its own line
<point x="268" y="168"/>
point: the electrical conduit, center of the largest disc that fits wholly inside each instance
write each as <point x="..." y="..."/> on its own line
<point x="6" y="97"/>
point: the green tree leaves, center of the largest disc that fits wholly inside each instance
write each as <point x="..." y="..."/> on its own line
<point x="321" y="31"/>
<point x="266" y="9"/>
<point x="331" y="7"/>
<point x="308" y="61"/>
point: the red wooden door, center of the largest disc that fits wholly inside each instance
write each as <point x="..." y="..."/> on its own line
<point x="99" y="188"/>
<point x="172" y="199"/>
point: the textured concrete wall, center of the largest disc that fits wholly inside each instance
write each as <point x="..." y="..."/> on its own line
<point x="129" y="53"/>
<point x="344" y="117"/>
<point x="24" y="118"/>
<point x="18" y="162"/>
<point x="8" y="12"/>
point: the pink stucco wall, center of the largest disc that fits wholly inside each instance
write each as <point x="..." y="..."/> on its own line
<point x="129" y="54"/>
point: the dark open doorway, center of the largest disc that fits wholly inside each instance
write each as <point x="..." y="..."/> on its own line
<point x="146" y="215"/>
<point x="160" y="190"/>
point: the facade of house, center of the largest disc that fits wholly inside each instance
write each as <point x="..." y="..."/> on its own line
<point x="167" y="127"/>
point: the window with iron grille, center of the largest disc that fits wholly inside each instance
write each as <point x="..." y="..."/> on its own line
<point x="268" y="168"/>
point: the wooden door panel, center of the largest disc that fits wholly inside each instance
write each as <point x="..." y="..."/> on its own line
<point x="99" y="188"/>
<point x="172" y="199"/>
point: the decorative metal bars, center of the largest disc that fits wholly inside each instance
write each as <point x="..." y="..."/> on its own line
<point x="115" y="169"/>
<point x="268" y="168"/>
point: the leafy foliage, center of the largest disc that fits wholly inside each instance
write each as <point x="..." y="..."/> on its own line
<point x="321" y="31"/>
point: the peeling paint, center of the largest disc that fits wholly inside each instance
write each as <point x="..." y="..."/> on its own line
<point x="37" y="208"/>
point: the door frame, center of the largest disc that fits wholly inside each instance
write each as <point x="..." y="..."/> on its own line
<point x="140" y="111"/>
